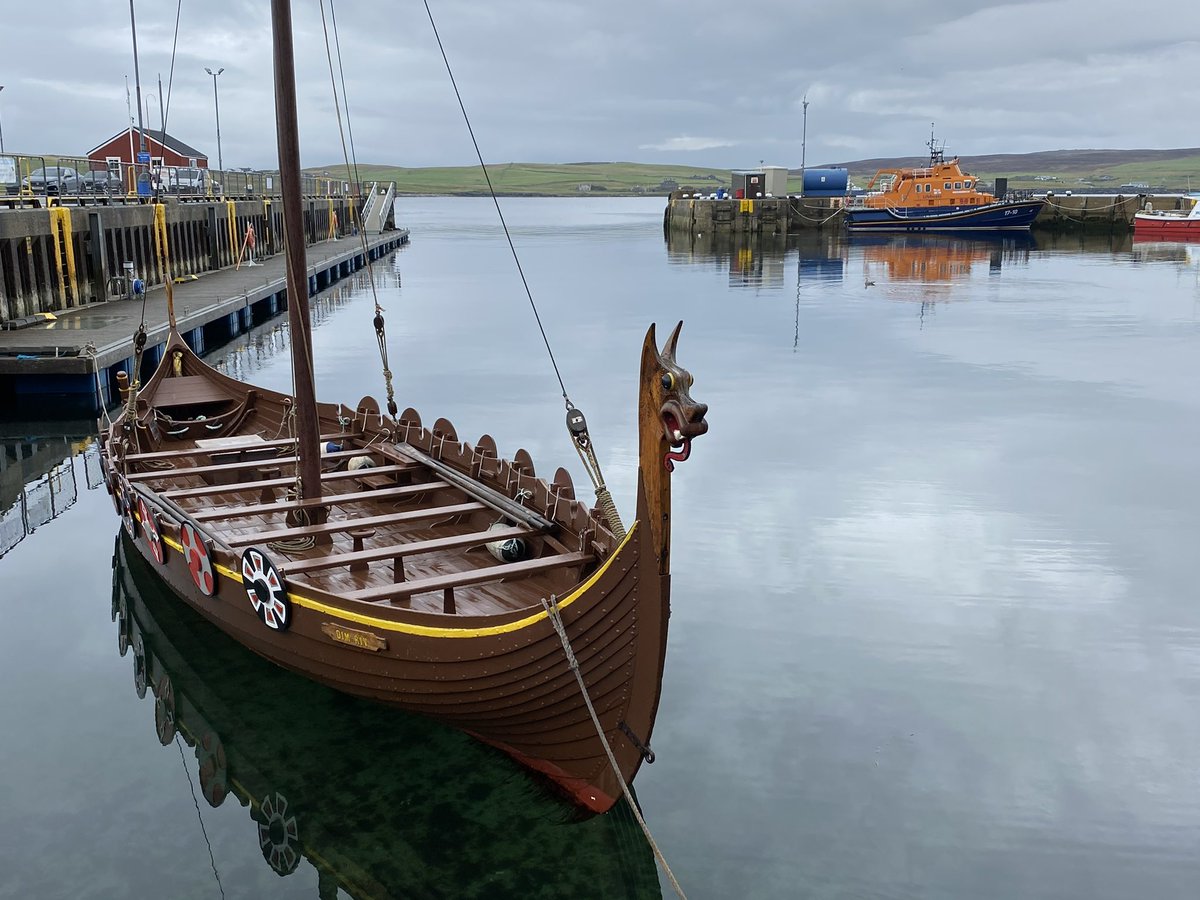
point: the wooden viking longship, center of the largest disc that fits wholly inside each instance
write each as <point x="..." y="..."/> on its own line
<point x="389" y="559"/>
<point x="300" y="777"/>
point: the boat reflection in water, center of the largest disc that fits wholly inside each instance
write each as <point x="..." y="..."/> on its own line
<point x="381" y="804"/>
<point x="937" y="262"/>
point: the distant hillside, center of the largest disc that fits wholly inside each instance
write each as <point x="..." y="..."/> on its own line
<point x="547" y="179"/>
<point x="1080" y="170"/>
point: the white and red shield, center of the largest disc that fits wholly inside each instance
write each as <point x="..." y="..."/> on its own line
<point x="127" y="507"/>
<point x="150" y="530"/>
<point x="264" y="587"/>
<point x="195" y="551"/>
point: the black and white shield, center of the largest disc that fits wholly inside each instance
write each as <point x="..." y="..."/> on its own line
<point x="264" y="586"/>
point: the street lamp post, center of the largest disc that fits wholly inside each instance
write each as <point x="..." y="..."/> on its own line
<point x="217" y="108"/>
<point x="1" y="129"/>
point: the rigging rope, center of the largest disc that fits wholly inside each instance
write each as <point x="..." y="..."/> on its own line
<point x="575" y="421"/>
<point x="345" y="97"/>
<point x="171" y="74"/>
<point x="378" y="321"/>
<point x="554" y="614"/>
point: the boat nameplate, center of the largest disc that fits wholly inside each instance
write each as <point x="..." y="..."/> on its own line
<point x="364" y="640"/>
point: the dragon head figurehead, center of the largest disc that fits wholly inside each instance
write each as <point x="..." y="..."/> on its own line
<point x="666" y="396"/>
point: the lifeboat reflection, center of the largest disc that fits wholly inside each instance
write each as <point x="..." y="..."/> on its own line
<point x="381" y="804"/>
<point x="938" y="261"/>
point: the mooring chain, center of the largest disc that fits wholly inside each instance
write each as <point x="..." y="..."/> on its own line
<point x="554" y="614"/>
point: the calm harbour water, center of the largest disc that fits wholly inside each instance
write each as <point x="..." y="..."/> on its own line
<point x="934" y="630"/>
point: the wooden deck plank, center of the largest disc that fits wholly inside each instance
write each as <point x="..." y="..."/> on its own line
<point x="412" y="548"/>
<point x="414" y="515"/>
<point x="481" y="575"/>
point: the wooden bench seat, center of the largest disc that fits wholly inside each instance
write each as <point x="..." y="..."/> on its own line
<point x="411" y="548"/>
<point x="447" y="583"/>
<point x="212" y="490"/>
<point x="396" y="518"/>
<point x="225" y="445"/>
<point x="257" y="509"/>
<point x="233" y="467"/>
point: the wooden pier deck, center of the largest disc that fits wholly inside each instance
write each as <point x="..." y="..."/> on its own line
<point x="80" y="352"/>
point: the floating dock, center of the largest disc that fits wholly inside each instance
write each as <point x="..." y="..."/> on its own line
<point x="70" y="364"/>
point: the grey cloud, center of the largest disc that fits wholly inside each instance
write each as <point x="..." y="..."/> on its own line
<point x="564" y="81"/>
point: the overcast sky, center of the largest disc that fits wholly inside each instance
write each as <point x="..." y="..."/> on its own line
<point x="678" y="81"/>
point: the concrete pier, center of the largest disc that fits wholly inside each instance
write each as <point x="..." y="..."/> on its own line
<point x="1089" y="213"/>
<point x="70" y="365"/>
<point x="66" y="257"/>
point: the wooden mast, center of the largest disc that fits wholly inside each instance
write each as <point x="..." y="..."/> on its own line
<point x="307" y="435"/>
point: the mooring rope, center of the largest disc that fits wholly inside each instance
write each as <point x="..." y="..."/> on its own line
<point x="555" y="617"/>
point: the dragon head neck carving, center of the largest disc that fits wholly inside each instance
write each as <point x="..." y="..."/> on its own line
<point x="667" y="396"/>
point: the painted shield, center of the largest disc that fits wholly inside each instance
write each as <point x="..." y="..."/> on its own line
<point x="150" y="530"/>
<point x="164" y="710"/>
<point x="214" y="769"/>
<point x="264" y="587"/>
<point x="139" y="665"/>
<point x="127" y="507"/>
<point x="195" y="551"/>
<point x="277" y="834"/>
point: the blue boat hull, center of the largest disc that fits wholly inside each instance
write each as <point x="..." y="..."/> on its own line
<point x="1016" y="215"/>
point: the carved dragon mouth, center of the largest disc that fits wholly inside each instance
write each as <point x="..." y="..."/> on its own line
<point x="679" y="429"/>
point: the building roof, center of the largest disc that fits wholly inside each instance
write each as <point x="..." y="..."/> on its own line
<point x="171" y="142"/>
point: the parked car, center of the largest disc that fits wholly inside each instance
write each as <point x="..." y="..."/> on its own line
<point x="185" y="180"/>
<point x="53" y="180"/>
<point x="101" y="181"/>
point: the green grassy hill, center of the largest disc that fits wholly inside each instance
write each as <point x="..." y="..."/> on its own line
<point x="1100" y="170"/>
<point x="545" y="179"/>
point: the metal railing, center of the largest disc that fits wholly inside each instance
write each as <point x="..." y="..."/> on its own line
<point x="43" y="180"/>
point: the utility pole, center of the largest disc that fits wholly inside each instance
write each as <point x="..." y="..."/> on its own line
<point x="803" y="140"/>
<point x="217" y="108"/>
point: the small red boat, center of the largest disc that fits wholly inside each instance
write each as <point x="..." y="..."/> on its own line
<point x="1168" y="224"/>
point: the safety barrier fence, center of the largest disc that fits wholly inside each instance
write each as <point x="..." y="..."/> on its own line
<point x="43" y="180"/>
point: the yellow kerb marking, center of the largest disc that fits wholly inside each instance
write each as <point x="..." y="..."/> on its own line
<point x="430" y="630"/>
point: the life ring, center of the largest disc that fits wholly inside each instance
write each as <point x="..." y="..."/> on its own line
<point x="199" y="563"/>
<point x="214" y="769"/>
<point x="265" y="588"/>
<point x="150" y="530"/>
<point x="164" y="710"/>
<point x="276" y="835"/>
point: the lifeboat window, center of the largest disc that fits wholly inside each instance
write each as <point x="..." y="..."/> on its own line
<point x="967" y="185"/>
<point x="958" y="185"/>
<point x="947" y="185"/>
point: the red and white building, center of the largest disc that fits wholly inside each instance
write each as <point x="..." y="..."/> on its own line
<point x="164" y="150"/>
